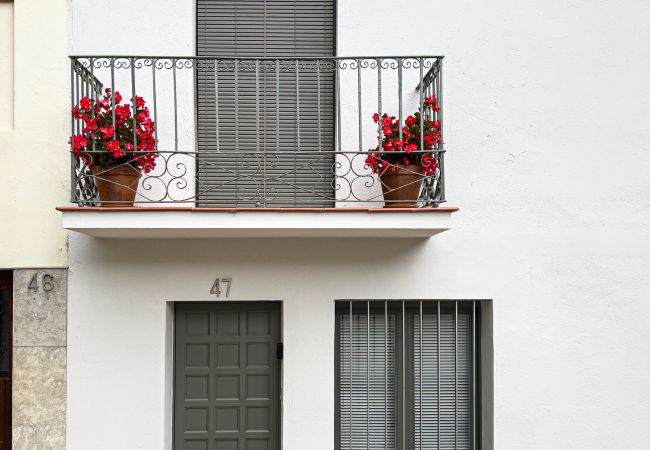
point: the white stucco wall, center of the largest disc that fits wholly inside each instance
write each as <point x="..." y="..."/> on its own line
<point x="547" y="157"/>
<point x="163" y="28"/>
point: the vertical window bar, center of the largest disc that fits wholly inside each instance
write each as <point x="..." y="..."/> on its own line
<point x="92" y="90"/>
<point x="338" y="102"/>
<point x="439" y="96"/>
<point x="403" y="376"/>
<point x="84" y="81"/>
<point x="385" y="375"/>
<point x="420" y="393"/>
<point x="456" y="374"/>
<point x="359" y="104"/>
<point x="295" y="154"/>
<point x="133" y="105"/>
<point x="441" y="157"/>
<point x="277" y="105"/>
<point x="379" y="104"/>
<point x="155" y="106"/>
<point x="429" y="93"/>
<point x="421" y="106"/>
<point x="175" y="106"/>
<point x="236" y="66"/>
<point x="195" y="83"/>
<point x="216" y="101"/>
<point x="113" y="89"/>
<point x="78" y="84"/>
<point x="473" y="376"/>
<point x="368" y="382"/>
<point x="237" y="106"/>
<point x="257" y="128"/>
<point x="399" y="95"/>
<point x="350" y="418"/>
<point x="73" y="168"/>
<point x="82" y="78"/>
<point x="438" y="369"/>
<point x="320" y="144"/>
<point x="298" y="103"/>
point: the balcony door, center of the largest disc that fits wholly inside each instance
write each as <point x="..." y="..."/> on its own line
<point x="265" y="125"/>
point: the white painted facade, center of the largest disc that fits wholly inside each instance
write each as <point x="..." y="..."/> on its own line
<point x="544" y="108"/>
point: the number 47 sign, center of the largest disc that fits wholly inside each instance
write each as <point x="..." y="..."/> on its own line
<point x="217" y="287"/>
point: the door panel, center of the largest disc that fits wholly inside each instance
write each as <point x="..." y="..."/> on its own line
<point x="227" y="376"/>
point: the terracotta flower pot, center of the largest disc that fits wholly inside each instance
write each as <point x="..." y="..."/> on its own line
<point x="402" y="188"/>
<point x="116" y="185"/>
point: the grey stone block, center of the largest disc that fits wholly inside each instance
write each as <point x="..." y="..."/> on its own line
<point x="40" y="314"/>
<point x="39" y="386"/>
<point x="45" y="437"/>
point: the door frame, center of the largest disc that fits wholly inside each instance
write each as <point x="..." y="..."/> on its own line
<point x="6" y="376"/>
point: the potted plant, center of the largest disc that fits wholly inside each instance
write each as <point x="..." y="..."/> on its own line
<point x="106" y="145"/>
<point x="401" y="164"/>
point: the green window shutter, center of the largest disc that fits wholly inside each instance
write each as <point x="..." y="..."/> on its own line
<point x="297" y="170"/>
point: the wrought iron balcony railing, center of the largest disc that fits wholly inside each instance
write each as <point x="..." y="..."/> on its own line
<point x="266" y="132"/>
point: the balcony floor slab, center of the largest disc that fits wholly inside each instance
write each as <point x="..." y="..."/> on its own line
<point x="184" y="222"/>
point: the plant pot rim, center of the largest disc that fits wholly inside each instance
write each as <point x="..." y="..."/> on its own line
<point x="122" y="169"/>
<point x="412" y="169"/>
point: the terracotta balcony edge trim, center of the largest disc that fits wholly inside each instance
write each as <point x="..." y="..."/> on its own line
<point x="447" y="209"/>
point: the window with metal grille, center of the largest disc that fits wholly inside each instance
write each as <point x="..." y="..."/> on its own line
<point x="407" y="375"/>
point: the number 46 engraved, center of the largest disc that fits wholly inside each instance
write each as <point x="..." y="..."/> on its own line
<point x="48" y="283"/>
<point x="216" y="287"/>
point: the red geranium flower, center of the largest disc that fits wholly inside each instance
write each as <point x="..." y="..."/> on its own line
<point x="109" y="132"/>
<point x="417" y="145"/>
<point x="86" y="103"/>
<point x="116" y="134"/>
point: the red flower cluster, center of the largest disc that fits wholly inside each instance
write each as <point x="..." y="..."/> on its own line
<point x="396" y="152"/>
<point x="99" y="134"/>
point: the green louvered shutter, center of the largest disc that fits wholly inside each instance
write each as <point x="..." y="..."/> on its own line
<point x="297" y="168"/>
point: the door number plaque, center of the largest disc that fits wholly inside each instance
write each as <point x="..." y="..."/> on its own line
<point x="218" y="287"/>
<point x="47" y="282"/>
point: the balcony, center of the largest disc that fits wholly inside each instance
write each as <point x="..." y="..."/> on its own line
<point x="262" y="147"/>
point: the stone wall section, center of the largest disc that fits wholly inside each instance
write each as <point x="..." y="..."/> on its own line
<point x="39" y="359"/>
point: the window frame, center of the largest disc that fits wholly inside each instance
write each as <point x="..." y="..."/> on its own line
<point x="405" y="311"/>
